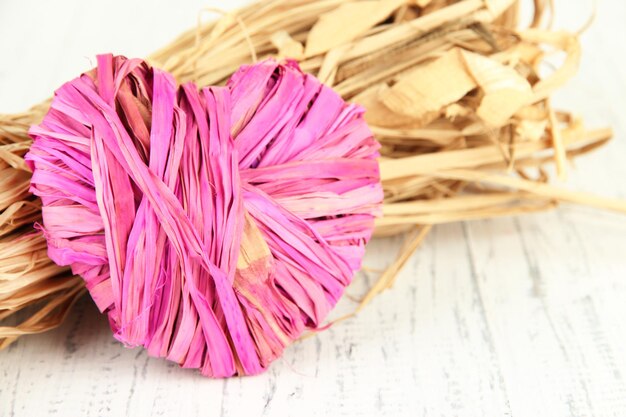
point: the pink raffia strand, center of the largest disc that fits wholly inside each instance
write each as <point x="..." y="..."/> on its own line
<point x="211" y="226"/>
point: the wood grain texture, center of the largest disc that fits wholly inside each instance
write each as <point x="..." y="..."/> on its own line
<point x="508" y="317"/>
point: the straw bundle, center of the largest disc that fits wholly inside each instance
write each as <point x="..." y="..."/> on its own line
<point x="453" y="91"/>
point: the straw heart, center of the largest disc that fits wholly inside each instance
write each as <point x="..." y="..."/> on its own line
<point x="212" y="226"/>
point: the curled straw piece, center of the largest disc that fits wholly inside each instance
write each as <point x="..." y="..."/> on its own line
<point x="478" y="151"/>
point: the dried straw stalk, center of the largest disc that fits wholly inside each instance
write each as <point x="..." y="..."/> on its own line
<point x="453" y="92"/>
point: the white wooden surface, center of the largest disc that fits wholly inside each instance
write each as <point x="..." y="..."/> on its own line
<point x="509" y="317"/>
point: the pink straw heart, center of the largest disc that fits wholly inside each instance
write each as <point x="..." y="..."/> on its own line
<point x="211" y="226"/>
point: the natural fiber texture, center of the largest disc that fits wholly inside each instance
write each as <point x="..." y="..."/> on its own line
<point x="212" y="226"/>
<point x="453" y="91"/>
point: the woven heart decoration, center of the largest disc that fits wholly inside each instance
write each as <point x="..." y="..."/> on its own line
<point x="214" y="225"/>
